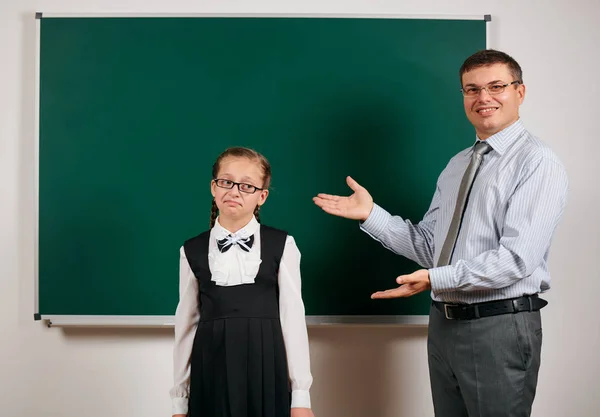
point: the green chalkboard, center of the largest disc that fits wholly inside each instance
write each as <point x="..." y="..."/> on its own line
<point x="133" y="112"/>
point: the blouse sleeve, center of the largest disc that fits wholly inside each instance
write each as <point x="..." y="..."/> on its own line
<point x="293" y="323"/>
<point x="187" y="316"/>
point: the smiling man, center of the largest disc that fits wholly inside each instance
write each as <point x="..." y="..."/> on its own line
<point x="484" y="244"/>
<point x="492" y="93"/>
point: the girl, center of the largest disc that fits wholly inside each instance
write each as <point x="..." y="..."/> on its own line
<point x="241" y="342"/>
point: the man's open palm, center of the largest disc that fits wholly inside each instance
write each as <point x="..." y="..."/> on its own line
<point x="357" y="206"/>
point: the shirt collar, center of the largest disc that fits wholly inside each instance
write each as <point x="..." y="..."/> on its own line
<point x="220" y="232"/>
<point x="504" y="139"/>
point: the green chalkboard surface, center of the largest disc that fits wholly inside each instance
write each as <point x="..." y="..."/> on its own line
<point x="133" y="112"/>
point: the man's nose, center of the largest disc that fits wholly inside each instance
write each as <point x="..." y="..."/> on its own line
<point x="483" y="94"/>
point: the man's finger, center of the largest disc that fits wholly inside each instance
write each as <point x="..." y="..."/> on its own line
<point x="329" y="197"/>
<point x="325" y="203"/>
<point x="330" y="207"/>
<point x="392" y="293"/>
<point x="332" y="210"/>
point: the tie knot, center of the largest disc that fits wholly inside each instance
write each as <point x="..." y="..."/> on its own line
<point x="481" y="148"/>
<point x="245" y="243"/>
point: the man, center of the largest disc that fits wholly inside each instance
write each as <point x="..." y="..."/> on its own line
<point x="484" y="243"/>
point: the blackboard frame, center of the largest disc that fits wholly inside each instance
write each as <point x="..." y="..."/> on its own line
<point x="159" y="321"/>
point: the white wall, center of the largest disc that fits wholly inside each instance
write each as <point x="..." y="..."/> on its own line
<point x="359" y="371"/>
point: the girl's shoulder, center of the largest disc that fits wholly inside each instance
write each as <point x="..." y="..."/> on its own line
<point x="275" y="235"/>
<point x="271" y="229"/>
<point x="198" y="239"/>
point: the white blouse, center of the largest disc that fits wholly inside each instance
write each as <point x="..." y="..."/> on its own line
<point x="237" y="267"/>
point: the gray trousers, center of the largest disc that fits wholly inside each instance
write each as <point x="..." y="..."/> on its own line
<point x="486" y="367"/>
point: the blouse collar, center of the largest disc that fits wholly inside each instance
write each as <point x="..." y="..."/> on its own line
<point x="248" y="230"/>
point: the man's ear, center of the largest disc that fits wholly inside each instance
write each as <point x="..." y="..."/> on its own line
<point x="521" y="92"/>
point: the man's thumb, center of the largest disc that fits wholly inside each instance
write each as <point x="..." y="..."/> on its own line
<point x="405" y="279"/>
<point x="352" y="184"/>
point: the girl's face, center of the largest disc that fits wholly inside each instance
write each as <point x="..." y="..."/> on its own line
<point x="234" y="203"/>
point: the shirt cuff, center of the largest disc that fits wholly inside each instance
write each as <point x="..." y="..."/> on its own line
<point x="376" y="222"/>
<point x="179" y="405"/>
<point x="442" y="279"/>
<point x="300" y="399"/>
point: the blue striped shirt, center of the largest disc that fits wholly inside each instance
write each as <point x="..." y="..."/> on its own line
<point x="502" y="248"/>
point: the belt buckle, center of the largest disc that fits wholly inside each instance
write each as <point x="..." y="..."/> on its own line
<point x="446" y="310"/>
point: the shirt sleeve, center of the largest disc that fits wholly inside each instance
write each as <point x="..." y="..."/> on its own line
<point x="293" y="323"/>
<point x="187" y="316"/>
<point x="401" y="236"/>
<point x="534" y="210"/>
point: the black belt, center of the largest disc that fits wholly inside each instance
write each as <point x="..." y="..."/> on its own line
<point x="490" y="308"/>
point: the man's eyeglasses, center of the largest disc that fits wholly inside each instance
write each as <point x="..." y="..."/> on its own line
<point x="243" y="187"/>
<point x="492" y="89"/>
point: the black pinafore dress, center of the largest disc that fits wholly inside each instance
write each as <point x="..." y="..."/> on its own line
<point x="238" y="361"/>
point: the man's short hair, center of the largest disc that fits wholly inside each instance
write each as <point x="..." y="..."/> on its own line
<point x="489" y="57"/>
